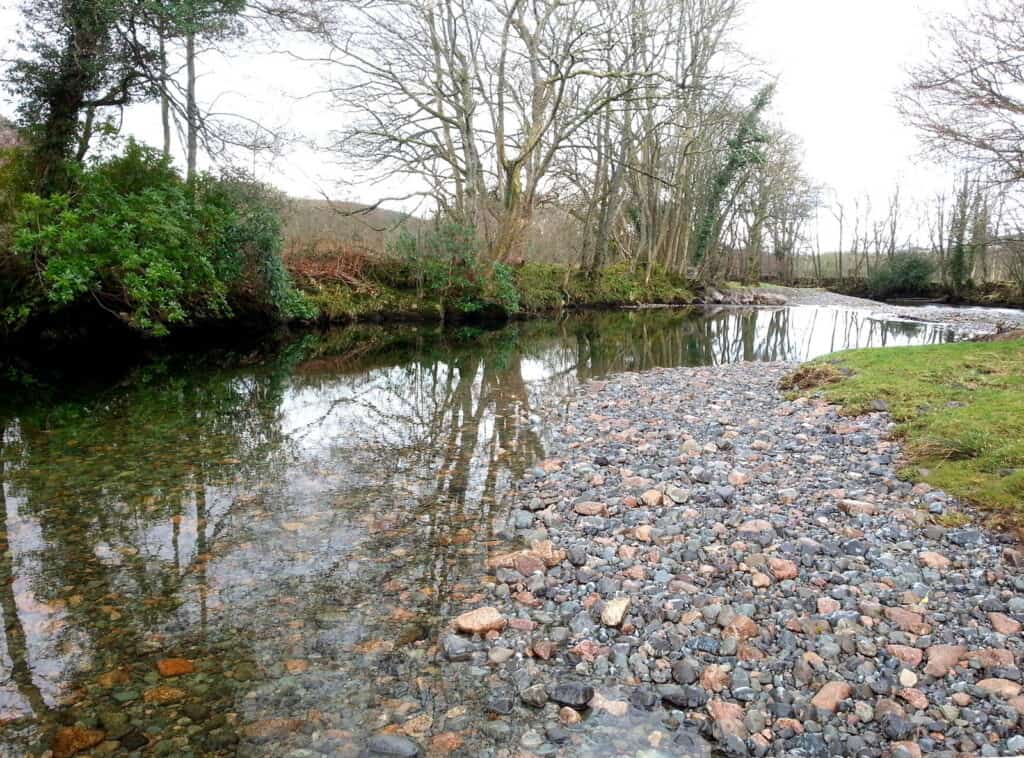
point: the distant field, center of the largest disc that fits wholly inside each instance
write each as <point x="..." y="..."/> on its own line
<point x="312" y="225"/>
<point x="316" y="227"/>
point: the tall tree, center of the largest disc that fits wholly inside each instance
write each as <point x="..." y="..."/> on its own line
<point x="194" y="24"/>
<point x="744" y="151"/>
<point x="77" y="56"/>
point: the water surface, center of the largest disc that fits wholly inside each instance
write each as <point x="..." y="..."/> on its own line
<point x="299" y="523"/>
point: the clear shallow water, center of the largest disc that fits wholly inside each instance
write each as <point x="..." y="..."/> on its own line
<point x="299" y="524"/>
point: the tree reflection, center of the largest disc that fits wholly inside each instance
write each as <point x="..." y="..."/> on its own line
<point x="15" y="639"/>
<point x="608" y="343"/>
<point x="440" y="436"/>
<point x="210" y="503"/>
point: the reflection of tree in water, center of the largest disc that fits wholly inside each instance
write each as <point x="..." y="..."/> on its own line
<point x="101" y="478"/>
<point x="608" y="343"/>
<point x="132" y="490"/>
<point x="15" y="639"/>
<point x="448" y="426"/>
<point x="135" y="490"/>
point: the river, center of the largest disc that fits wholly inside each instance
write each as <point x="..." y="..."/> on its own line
<point x="290" y="528"/>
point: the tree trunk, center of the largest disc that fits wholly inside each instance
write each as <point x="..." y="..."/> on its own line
<point x="192" y="111"/>
<point x="165" y="101"/>
<point x="86" y="136"/>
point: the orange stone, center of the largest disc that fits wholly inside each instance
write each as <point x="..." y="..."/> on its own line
<point x="544" y="649"/>
<point x="445" y="743"/>
<point x="569" y="715"/>
<point x="174" y="666"/>
<point x="915" y="697"/>
<point x="73" y="739"/>
<point x="742" y="628"/>
<point x="1003" y="688"/>
<point x="722" y="710"/>
<point x="783" y="569"/>
<point x="749" y="653"/>
<point x="792" y="724"/>
<point x="911" y="656"/>
<point x="942" y="658"/>
<point x="910" y="749"/>
<point x="635" y="572"/>
<point x="590" y="508"/>
<point x="614" y="707"/>
<point x="714" y="678"/>
<point x="279" y="727"/>
<point x="830" y="695"/>
<point x="907" y="621"/>
<point x="651" y="498"/>
<point x="1003" y="623"/>
<point x="991" y="657"/>
<point x="111" y="678"/>
<point x="588" y="650"/>
<point x="528" y="564"/>
<point x="480" y="621"/>
<point x="933" y="560"/>
<point x="296" y="666"/>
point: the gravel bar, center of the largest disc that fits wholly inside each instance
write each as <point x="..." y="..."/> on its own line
<point x="707" y="568"/>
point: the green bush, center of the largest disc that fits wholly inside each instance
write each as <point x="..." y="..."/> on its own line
<point x="15" y="304"/>
<point x="248" y="218"/>
<point x="541" y="286"/>
<point x="443" y="265"/>
<point x="620" y="284"/>
<point x="134" y="239"/>
<point x="904" y="275"/>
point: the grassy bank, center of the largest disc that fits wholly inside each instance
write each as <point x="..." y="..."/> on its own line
<point x="960" y="410"/>
<point x="388" y="292"/>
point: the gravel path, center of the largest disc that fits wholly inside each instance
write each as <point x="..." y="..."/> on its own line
<point x="972" y="320"/>
<point x="714" y="570"/>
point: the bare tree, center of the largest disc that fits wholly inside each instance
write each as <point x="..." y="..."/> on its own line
<point x="968" y="99"/>
<point x="838" y="211"/>
<point x="472" y="99"/>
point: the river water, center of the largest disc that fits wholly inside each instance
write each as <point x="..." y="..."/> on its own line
<point x="292" y="527"/>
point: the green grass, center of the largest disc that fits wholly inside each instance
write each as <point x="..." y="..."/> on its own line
<point x="960" y="409"/>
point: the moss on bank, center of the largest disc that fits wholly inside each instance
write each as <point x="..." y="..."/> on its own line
<point x="960" y="409"/>
<point x="337" y="301"/>
<point x="540" y="288"/>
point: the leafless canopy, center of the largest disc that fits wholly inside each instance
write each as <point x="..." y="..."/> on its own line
<point x="968" y="99"/>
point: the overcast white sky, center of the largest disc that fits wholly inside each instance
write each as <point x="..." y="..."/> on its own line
<point x="838" y="65"/>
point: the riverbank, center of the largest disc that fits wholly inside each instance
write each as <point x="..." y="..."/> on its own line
<point x="967" y="320"/>
<point x="387" y="292"/>
<point x="959" y="409"/>
<point x="547" y="290"/>
<point x="715" y="567"/>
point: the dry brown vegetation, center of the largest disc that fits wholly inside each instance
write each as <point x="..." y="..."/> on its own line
<point x="316" y="225"/>
<point x="811" y="376"/>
